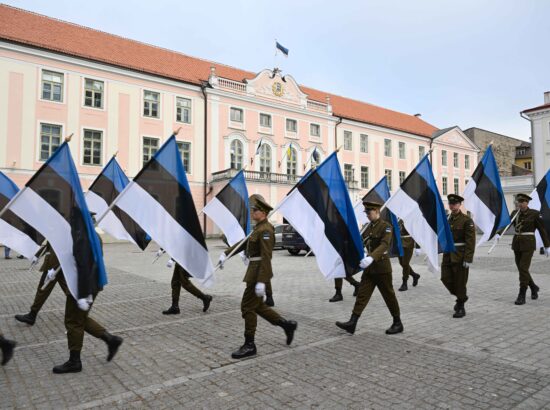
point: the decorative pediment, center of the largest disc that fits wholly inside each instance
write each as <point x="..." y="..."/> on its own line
<point x="457" y="138"/>
<point x="271" y="85"/>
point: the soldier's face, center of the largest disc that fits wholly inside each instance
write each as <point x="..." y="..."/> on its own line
<point x="454" y="207"/>
<point x="372" y="214"/>
<point x="257" y="215"/>
<point x="523" y="204"/>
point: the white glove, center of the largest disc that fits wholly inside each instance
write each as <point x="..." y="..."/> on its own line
<point x="34" y="260"/>
<point x="244" y="259"/>
<point x="547" y="252"/>
<point x="222" y="260"/>
<point x="170" y="263"/>
<point x="417" y="251"/>
<point x="497" y="237"/>
<point x="260" y="289"/>
<point x="160" y="252"/>
<point x="50" y="275"/>
<point x="365" y="262"/>
<point x="465" y="265"/>
<point x="84" y="304"/>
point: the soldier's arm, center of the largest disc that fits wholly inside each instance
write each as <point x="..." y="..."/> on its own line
<point x="267" y="241"/>
<point x="384" y="245"/>
<point x="470" y="240"/>
<point x="241" y="247"/>
<point x="542" y="231"/>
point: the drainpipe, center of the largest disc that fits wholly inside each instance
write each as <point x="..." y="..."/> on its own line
<point x="205" y="184"/>
<point x="336" y="133"/>
<point x="522" y="115"/>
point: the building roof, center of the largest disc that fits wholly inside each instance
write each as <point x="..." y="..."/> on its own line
<point x="35" y="30"/>
<point x="443" y="131"/>
<point x="540" y="107"/>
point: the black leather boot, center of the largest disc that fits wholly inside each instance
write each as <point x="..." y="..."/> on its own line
<point x="289" y="326"/>
<point x="246" y="350"/>
<point x="396" y="327"/>
<point x="269" y="301"/>
<point x="415" y="277"/>
<point x="206" y="299"/>
<point x="172" y="310"/>
<point x="455" y="308"/>
<point x="404" y="286"/>
<point x="7" y="347"/>
<point x="28" y="318"/>
<point x="337" y="296"/>
<point x="355" y="289"/>
<point x="113" y="343"/>
<point x="534" y="290"/>
<point x="459" y="311"/>
<point x="521" y="296"/>
<point x="350" y="325"/>
<point x="73" y="365"/>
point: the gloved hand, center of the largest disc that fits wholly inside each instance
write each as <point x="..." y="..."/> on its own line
<point x="34" y="260"/>
<point x="50" y="275"/>
<point x="170" y="263"/>
<point x="222" y="260"/>
<point x="417" y="251"/>
<point x="160" y="252"/>
<point x="497" y="237"/>
<point x="365" y="262"/>
<point x="260" y="289"/>
<point x="84" y="304"/>
<point x="244" y="259"/>
<point x="547" y="252"/>
<point x="465" y="265"/>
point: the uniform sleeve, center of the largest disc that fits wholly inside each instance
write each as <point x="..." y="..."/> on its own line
<point x="469" y="240"/>
<point x="384" y="244"/>
<point x="241" y="247"/>
<point x="267" y="241"/>
<point x="542" y="231"/>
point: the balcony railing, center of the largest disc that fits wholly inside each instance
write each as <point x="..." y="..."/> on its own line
<point x="232" y="85"/>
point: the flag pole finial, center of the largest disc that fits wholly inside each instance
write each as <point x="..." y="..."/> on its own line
<point x="68" y="138"/>
<point x="176" y="132"/>
<point x="115" y="154"/>
<point x="491" y="143"/>
<point x="339" y="148"/>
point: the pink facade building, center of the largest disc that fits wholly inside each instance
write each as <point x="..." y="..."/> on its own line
<point x="119" y="95"/>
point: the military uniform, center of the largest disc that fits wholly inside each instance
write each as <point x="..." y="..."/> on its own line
<point x="7" y="347"/>
<point x="338" y="282"/>
<point x="524" y="245"/>
<point x="181" y="279"/>
<point x="405" y="261"/>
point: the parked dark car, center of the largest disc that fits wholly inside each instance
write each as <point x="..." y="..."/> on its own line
<point x="293" y="241"/>
<point x="279" y="228"/>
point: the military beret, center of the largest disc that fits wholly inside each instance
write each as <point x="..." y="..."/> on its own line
<point x="454" y="199"/>
<point x="257" y="201"/>
<point x="523" y="197"/>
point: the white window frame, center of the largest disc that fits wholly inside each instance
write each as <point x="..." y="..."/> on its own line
<point x="64" y="88"/>
<point x="444" y="185"/>
<point x="287" y="131"/>
<point x="389" y="177"/>
<point x="243" y="154"/>
<point x="176" y="98"/>
<point x="444" y="158"/>
<point x="39" y="137"/>
<point x="159" y="108"/>
<point x="400" y="145"/>
<point x="297" y="161"/>
<point x="366" y="151"/>
<point x="314" y="124"/>
<point x="466" y="161"/>
<point x="103" y="93"/>
<point x="402" y="177"/>
<point x="142" y="146"/>
<point x="423" y="149"/>
<point x="344" y="134"/>
<point x="268" y="163"/>
<point x="234" y="124"/>
<point x="456" y="160"/>
<point x="102" y="154"/>
<point x="390" y="148"/>
<point x="262" y="114"/>
<point x="351" y="170"/>
<point x="456" y="186"/>
<point x="363" y="186"/>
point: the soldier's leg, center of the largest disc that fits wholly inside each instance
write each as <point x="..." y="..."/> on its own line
<point x="75" y="320"/>
<point x="248" y="312"/>
<point x="176" y="288"/>
<point x="7" y="347"/>
<point x="447" y="278"/>
<point x="269" y="294"/>
<point x="351" y="280"/>
<point x="385" y="286"/>
<point x="95" y="329"/>
<point x="189" y="287"/>
<point x="265" y="312"/>
<point x="39" y="299"/>
<point x="524" y="265"/>
<point x="460" y="279"/>
<point x="338" y="287"/>
<point x="364" y="293"/>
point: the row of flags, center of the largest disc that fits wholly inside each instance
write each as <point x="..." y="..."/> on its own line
<point x="158" y="205"/>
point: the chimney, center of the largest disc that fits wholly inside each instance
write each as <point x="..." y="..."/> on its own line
<point x="547" y="97"/>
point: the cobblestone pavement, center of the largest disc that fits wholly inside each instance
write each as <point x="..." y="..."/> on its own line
<point x="498" y="356"/>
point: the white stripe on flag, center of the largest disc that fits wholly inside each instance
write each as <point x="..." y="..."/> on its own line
<point x="227" y="222"/>
<point x="305" y="220"/>
<point x="535" y="204"/>
<point x="19" y="241"/>
<point x="360" y="214"/>
<point x="110" y="223"/>
<point x="404" y="207"/>
<point x="483" y="217"/>
<point x="166" y="231"/>
<point x="41" y="216"/>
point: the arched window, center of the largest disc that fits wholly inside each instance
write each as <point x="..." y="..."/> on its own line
<point x="265" y="158"/>
<point x="292" y="162"/>
<point x="236" y="154"/>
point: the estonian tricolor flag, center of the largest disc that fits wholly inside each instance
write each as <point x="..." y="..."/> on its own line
<point x="418" y="204"/>
<point x="116" y="223"/>
<point x="541" y="202"/>
<point x="380" y="193"/>
<point x="484" y="198"/>
<point x="282" y="49"/>
<point x="319" y="208"/>
<point x="14" y="232"/>
<point x="53" y="203"/>
<point x="230" y="211"/>
<point x="159" y="200"/>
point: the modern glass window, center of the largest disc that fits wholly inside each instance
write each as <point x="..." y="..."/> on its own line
<point x="236" y="114"/>
<point x="315" y="130"/>
<point x="455" y="186"/>
<point x="292" y="162"/>
<point x="151" y="104"/>
<point x="183" y="110"/>
<point x="52" y="86"/>
<point x="401" y="150"/>
<point x="236" y="150"/>
<point x="92" y="147"/>
<point x="455" y="159"/>
<point x="402" y="176"/>
<point x="348" y="172"/>
<point x="185" y="151"/>
<point x="388" y="174"/>
<point x="467" y="161"/>
<point x="445" y="186"/>
<point x="265" y="120"/>
<point x="421" y="152"/>
<point x="364" y="177"/>
<point x="364" y="143"/>
<point x="93" y="93"/>
<point x="265" y="158"/>
<point x="348" y="142"/>
<point x="387" y="148"/>
<point x="50" y="139"/>
<point x="150" y="147"/>
<point x="291" y="125"/>
<point x="444" y="158"/>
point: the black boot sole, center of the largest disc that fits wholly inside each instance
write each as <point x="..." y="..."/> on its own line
<point x="24" y="319"/>
<point x="206" y="303"/>
<point x="113" y="347"/>
<point x="238" y="356"/>
<point x="336" y="299"/>
<point x="343" y="326"/>
<point x="390" y="331"/>
<point x="61" y="370"/>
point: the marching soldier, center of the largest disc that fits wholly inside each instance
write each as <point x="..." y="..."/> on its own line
<point x="377" y="271"/>
<point x="524" y="244"/>
<point x="181" y="279"/>
<point x="405" y="260"/>
<point x="455" y="266"/>
<point x="338" y="282"/>
<point x="7" y="347"/>
<point x="258" y="249"/>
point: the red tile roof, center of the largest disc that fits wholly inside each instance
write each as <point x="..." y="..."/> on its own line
<point x="35" y="30"/>
<point x="540" y="107"/>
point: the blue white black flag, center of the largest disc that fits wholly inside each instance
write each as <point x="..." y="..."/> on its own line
<point x="282" y="49"/>
<point x="484" y="198"/>
<point x="15" y="233"/>
<point x="418" y="204"/>
<point x="541" y="202"/>
<point x="259" y="146"/>
<point x="319" y="208"/>
<point x="117" y="223"/>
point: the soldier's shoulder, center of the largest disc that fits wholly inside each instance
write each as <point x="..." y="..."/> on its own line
<point x="386" y="226"/>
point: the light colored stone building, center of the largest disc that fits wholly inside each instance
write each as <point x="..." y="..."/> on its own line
<point x="540" y="136"/>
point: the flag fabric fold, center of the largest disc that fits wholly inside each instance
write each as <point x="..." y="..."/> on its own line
<point x="15" y="233"/>
<point x="541" y="202"/>
<point x="319" y="208"/>
<point x="418" y="204"/>
<point x="229" y="209"/>
<point x="117" y="223"/>
<point x="484" y="198"/>
<point x="53" y="203"/>
<point x="282" y="49"/>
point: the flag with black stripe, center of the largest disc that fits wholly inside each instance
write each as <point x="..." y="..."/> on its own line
<point x="541" y="202"/>
<point x="320" y="209"/>
<point x="53" y="203"/>
<point x="484" y="198"/>
<point x="229" y="209"/>
<point x="15" y="233"/>
<point x="159" y="199"/>
<point x="418" y="203"/>
<point x="117" y="223"/>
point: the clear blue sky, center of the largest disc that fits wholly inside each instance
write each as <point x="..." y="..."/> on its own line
<point x="471" y="63"/>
